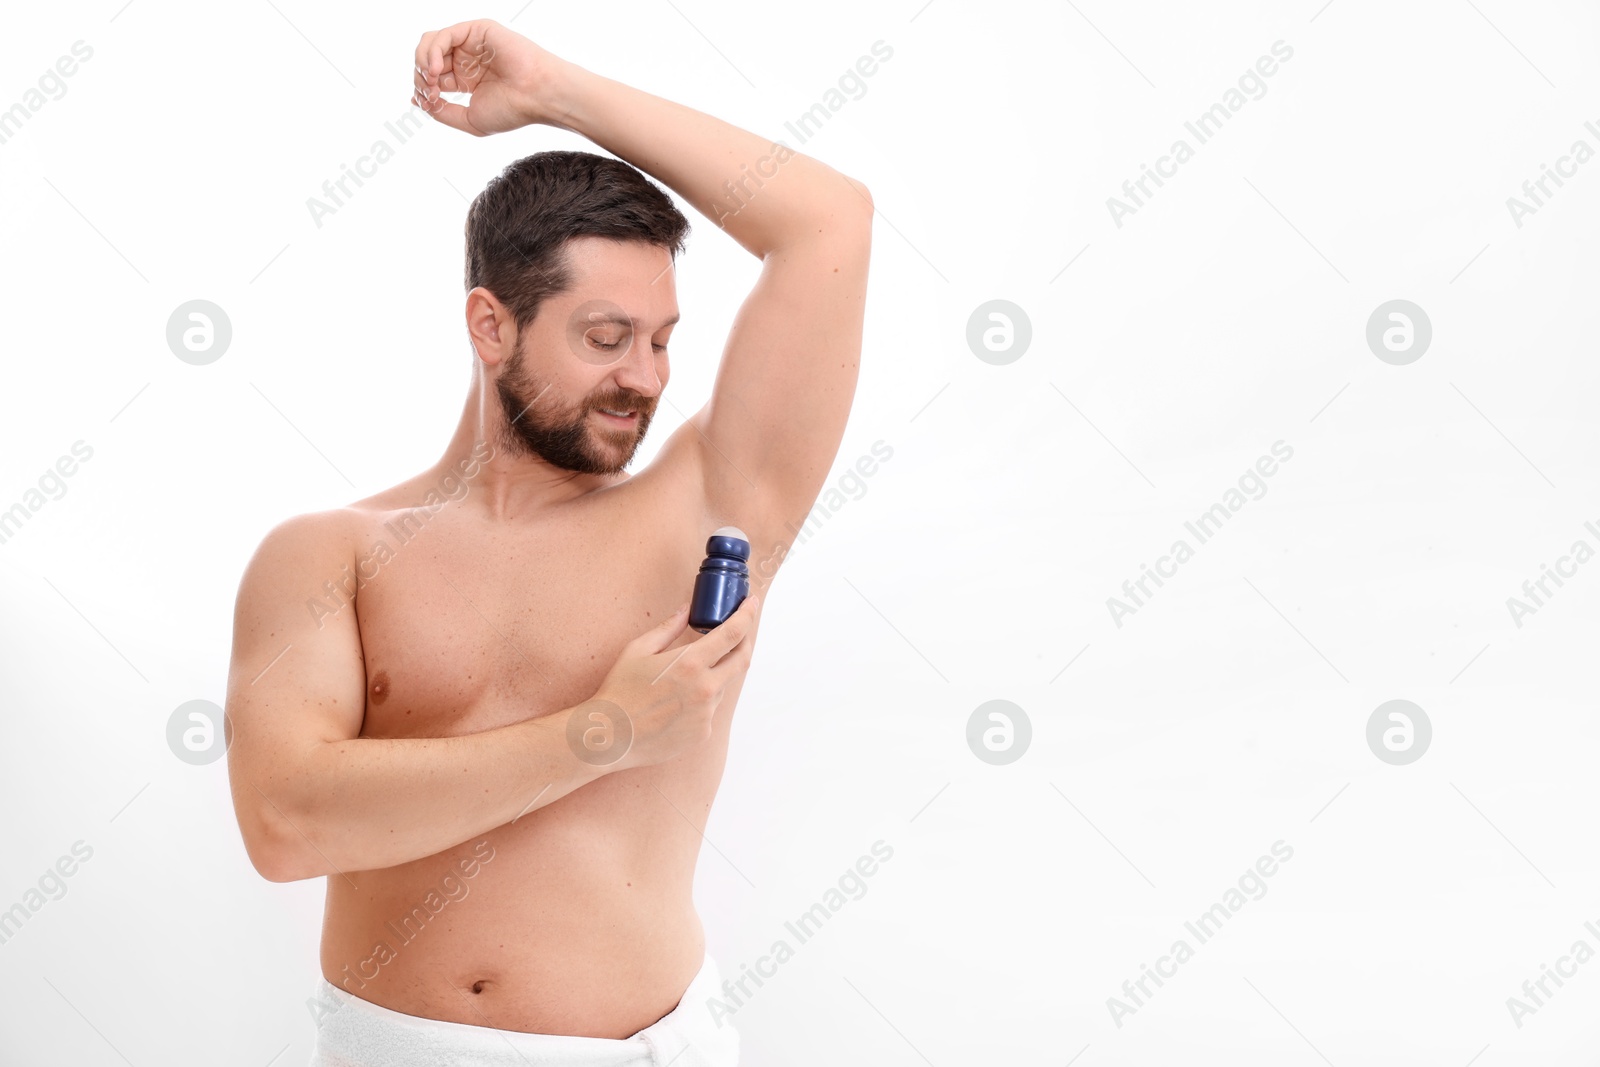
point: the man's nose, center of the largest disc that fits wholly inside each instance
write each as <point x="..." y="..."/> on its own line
<point x="637" y="369"/>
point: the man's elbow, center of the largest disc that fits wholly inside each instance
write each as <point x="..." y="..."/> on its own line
<point x="274" y="869"/>
<point x="279" y="863"/>
<point x="276" y="850"/>
<point x="859" y="208"/>
<point x="863" y="195"/>
<point x="271" y="862"/>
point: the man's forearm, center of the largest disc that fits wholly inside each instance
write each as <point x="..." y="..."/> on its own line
<point x="769" y="205"/>
<point x="369" y="803"/>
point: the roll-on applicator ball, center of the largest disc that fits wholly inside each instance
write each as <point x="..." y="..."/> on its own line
<point x="723" y="581"/>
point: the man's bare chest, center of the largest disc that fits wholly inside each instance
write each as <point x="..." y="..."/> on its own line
<point x="469" y="625"/>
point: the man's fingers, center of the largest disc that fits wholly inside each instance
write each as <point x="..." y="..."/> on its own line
<point x="658" y="637"/>
<point x="447" y="40"/>
<point x="429" y="57"/>
<point x="452" y="115"/>
<point x="737" y="659"/>
<point x="419" y="58"/>
<point x="734" y="663"/>
<point x="725" y="637"/>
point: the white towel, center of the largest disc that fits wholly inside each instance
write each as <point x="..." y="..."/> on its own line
<point x="359" y="1033"/>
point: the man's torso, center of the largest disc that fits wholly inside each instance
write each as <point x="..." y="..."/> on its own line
<point x="577" y="917"/>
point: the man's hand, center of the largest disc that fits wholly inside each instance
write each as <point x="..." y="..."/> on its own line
<point x="669" y="696"/>
<point x="508" y="76"/>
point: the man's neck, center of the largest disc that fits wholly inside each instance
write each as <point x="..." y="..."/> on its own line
<point x="512" y="482"/>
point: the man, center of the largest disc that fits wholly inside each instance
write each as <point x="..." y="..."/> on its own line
<point x="467" y="700"/>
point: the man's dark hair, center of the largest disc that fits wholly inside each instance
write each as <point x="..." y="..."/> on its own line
<point x="518" y="227"/>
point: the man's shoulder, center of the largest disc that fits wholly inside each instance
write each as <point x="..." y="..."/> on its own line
<point x="303" y="538"/>
<point x="314" y="528"/>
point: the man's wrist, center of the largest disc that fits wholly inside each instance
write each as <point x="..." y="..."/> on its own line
<point x="558" y="100"/>
<point x="581" y="743"/>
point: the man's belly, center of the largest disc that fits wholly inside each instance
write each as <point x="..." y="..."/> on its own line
<point x="576" y="919"/>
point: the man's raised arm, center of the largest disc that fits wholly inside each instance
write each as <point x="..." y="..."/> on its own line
<point x="788" y="374"/>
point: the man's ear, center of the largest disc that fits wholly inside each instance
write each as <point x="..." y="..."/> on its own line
<point x="491" y="326"/>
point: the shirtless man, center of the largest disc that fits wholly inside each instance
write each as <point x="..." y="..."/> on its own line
<point x="485" y="875"/>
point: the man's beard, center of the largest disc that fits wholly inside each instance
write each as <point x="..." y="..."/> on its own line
<point x="567" y="440"/>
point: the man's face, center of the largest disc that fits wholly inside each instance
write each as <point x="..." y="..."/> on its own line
<point x="600" y="346"/>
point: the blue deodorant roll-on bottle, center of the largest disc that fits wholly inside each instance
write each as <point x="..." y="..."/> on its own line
<point x="723" y="581"/>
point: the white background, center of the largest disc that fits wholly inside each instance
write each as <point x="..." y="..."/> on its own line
<point x="1227" y="714"/>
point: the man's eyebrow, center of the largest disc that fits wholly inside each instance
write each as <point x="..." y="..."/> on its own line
<point x="623" y="320"/>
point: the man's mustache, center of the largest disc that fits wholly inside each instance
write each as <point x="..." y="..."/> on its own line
<point x="641" y="405"/>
